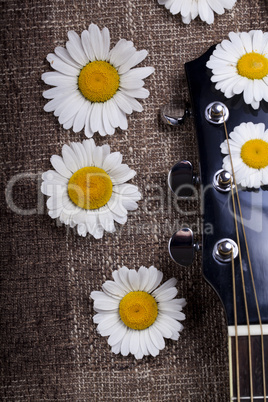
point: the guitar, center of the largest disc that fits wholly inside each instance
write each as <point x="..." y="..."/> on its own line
<point x="235" y="249"/>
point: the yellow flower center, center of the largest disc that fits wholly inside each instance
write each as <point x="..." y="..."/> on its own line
<point x="98" y="81"/>
<point x="255" y="153"/>
<point x="90" y="187"/>
<point x="138" y="310"/>
<point x="253" y="66"/>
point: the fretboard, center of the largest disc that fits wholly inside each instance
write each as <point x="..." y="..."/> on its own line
<point x="244" y="365"/>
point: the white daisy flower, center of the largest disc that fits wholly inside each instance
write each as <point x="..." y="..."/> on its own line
<point x="249" y="152"/>
<point x="190" y="9"/>
<point x="240" y="65"/>
<point x="88" y="188"/>
<point x="136" y="314"/>
<point x="95" y="87"/>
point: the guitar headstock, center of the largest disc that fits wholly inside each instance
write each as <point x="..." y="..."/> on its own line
<point x="219" y="222"/>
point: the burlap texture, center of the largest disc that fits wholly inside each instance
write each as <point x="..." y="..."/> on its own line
<point x="50" y="347"/>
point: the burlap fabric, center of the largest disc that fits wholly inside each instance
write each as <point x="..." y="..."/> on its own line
<point x="50" y="347"/>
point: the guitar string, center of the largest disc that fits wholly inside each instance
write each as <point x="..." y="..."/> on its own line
<point x="251" y="271"/>
<point x="240" y="263"/>
<point x="255" y="295"/>
<point x="236" y="341"/>
<point x="236" y="335"/>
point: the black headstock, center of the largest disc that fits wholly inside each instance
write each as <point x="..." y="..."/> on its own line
<point x="217" y="203"/>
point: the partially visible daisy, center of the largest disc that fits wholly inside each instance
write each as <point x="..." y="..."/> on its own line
<point x="240" y="65"/>
<point x="249" y="151"/>
<point x="88" y="188"/>
<point x="136" y="314"/>
<point x="95" y="87"/>
<point x="190" y="9"/>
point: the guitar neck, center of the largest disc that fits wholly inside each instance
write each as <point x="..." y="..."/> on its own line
<point x="241" y="367"/>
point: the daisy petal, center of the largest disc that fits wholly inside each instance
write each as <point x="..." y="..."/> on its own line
<point x="80" y="152"/>
<point x="135" y="59"/>
<point x="118" y="334"/>
<point x="96" y="41"/>
<point x="144" y="277"/>
<point x="137" y="73"/>
<point x="64" y="55"/>
<point x="152" y="349"/>
<point x="111" y="288"/>
<point x="105" y="42"/>
<point x="80" y="118"/>
<point x="71" y="109"/>
<point x="125" y="345"/>
<point x="134" y="342"/>
<point x="61" y="66"/>
<point x="107" y="221"/>
<point x="168" y="284"/>
<point x="123" y="275"/>
<point x="122" y="102"/>
<point x="133" y="278"/>
<point x="166" y="294"/>
<point x="87" y="46"/>
<point x="75" y="48"/>
<point x="166" y="332"/>
<point x="156" y="337"/>
<point x="69" y="158"/>
<point x="59" y="165"/>
<point x="155" y="278"/>
<point x="112" y="161"/>
<point x="108" y="322"/>
<point x="95" y="117"/>
<point x="57" y="79"/>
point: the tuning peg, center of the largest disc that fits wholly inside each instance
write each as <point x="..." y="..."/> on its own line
<point x="216" y="113"/>
<point x="181" y="179"/>
<point x="223" y="181"/>
<point x="225" y="249"/>
<point x="174" y="115"/>
<point x="181" y="247"/>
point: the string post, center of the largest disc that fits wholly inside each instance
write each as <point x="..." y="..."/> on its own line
<point x="225" y="249"/>
<point x="216" y="113"/>
<point x="222" y="181"/>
